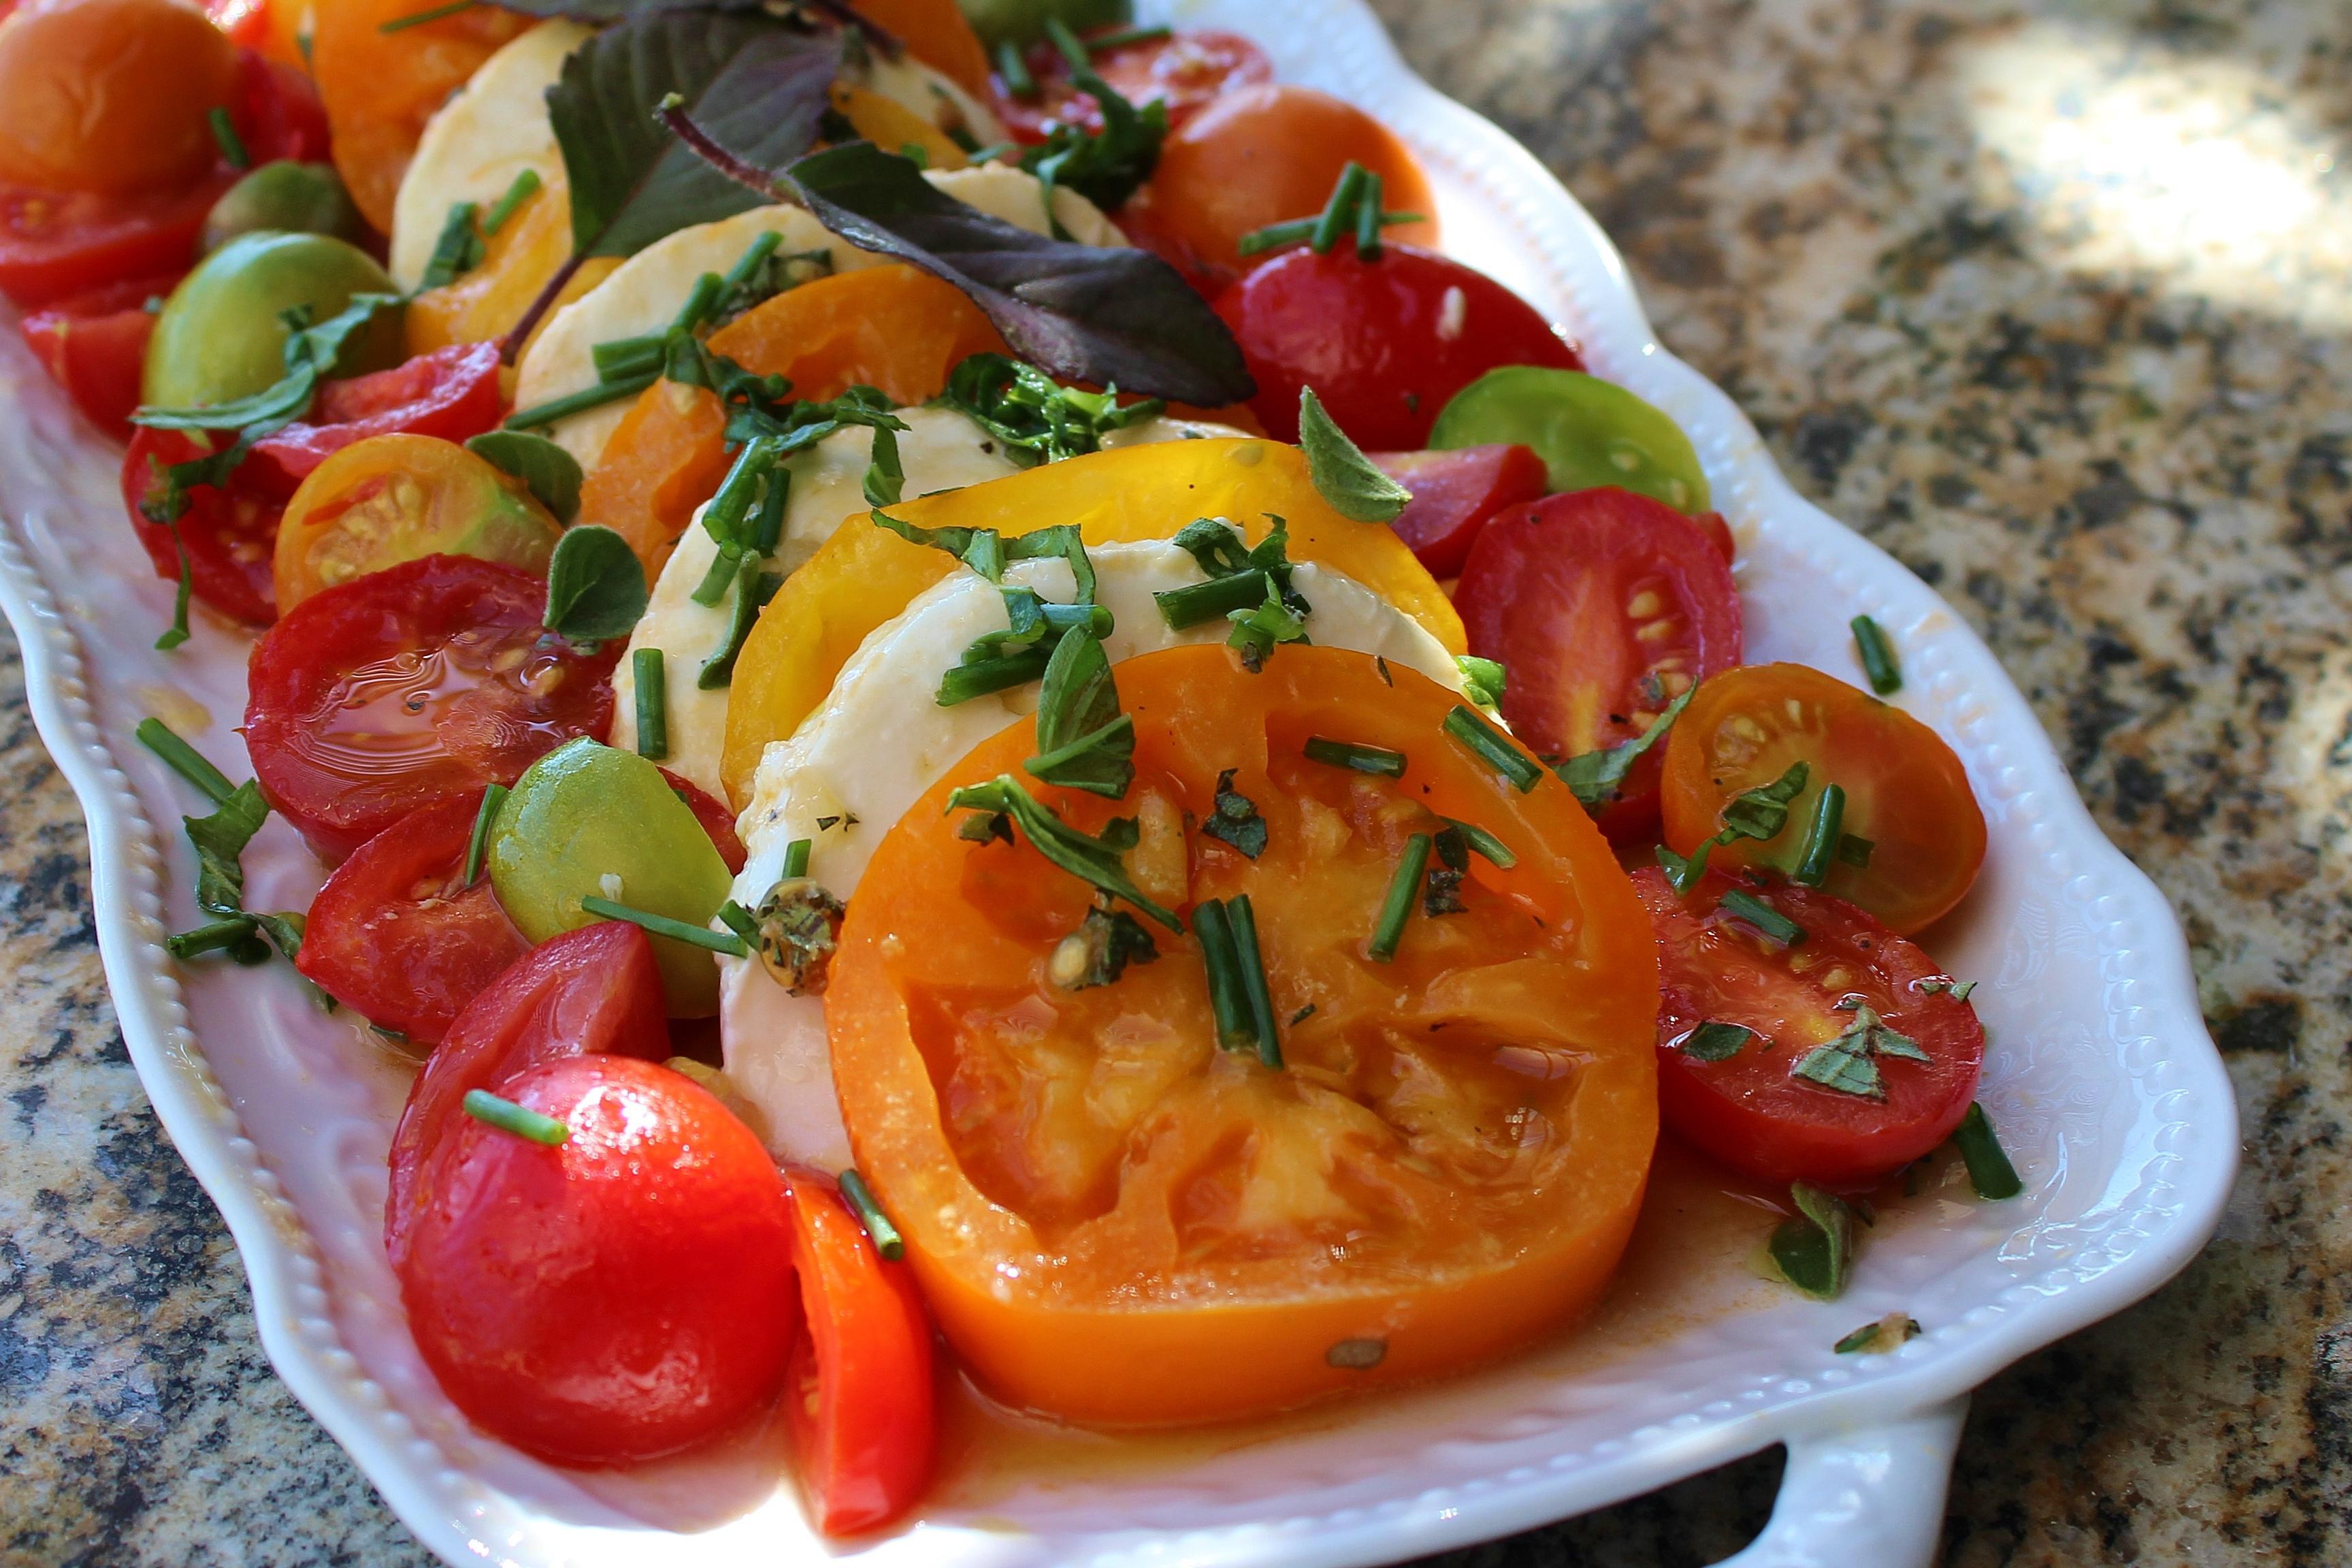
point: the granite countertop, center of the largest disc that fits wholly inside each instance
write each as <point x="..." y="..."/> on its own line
<point x="2050" y="301"/>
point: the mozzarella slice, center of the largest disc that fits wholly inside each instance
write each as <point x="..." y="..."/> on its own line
<point x="478" y="142"/>
<point x="941" y="449"/>
<point x="929" y="95"/>
<point x="881" y="742"/>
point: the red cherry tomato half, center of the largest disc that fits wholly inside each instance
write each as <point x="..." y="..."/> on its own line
<point x="397" y="935"/>
<point x="451" y="392"/>
<point x="859" y="1392"/>
<point x="1750" y="1108"/>
<point x="1604" y="606"/>
<point x="1455" y="494"/>
<point x="54" y="244"/>
<point x="278" y="113"/>
<point x="716" y="819"/>
<point x="1186" y="70"/>
<point x="230" y="532"/>
<point x="95" y="345"/>
<point x="1384" y="343"/>
<point x="596" y="991"/>
<point x="412" y="684"/>
<point x="626" y="1295"/>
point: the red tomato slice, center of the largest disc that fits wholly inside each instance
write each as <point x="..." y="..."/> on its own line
<point x="1751" y="1109"/>
<point x="278" y="113"/>
<point x="1186" y="70"/>
<point x="859" y="1392"/>
<point x="1604" y="606"/>
<point x="54" y="244"/>
<point x="95" y="346"/>
<point x="716" y="819"/>
<point x="398" y="936"/>
<point x="412" y="685"/>
<point x="626" y="1295"/>
<point x="595" y="991"/>
<point x="451" y="392"/>
<point x="230" y="533"/>
<point x="1455" y="494"/>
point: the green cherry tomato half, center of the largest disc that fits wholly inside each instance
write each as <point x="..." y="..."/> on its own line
<point x="1024" y="21"/>
<point x="590" y="821"/>
<point x="285" y="197"/>
<point x="1588" y="432"/>
<point x="220" y="337"/>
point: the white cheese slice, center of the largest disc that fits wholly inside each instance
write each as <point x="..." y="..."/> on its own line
<point x="881" y="741"/>
<point x="931" y="96"/>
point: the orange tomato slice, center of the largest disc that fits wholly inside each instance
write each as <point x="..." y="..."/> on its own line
<point x="484" y="305"/>
<point x="935" y="33"/>
<point x="887" y="123"/>
<point x="1447" y="1165"/>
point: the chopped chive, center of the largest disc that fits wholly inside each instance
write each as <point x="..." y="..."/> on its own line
<point x="507" y="1117"/>
<point x="767" y="525"/>
<point x="718" y="578"/>
<point x="1015" y="72"/>
<point x="662" y="925"/>
<point x="653" y="703"/>
<point x="177" y="632"/>
<point x="1822" y="839"/>
<point x="525" y="186"/>
<point x="879" y="1228"/>
<point x="1855" y="851"/>
<point x="1210" y="601"/>
<point x="1274" y="235"/>
<point x="1744" y="906"/>
<point x="418" y="18"/>
<point x="212" y="936"/>
<point x="232" y="145"/>
<point x="1989" y="1171"/>
<point x="1236" y="1024"/>
<point x="719" y="670"/>
<point x="185" y="760"/>
<point x="699" y="303"/>
<point x="1877" y="657"/>
<point x="1340" y="210"/>
<point x="1250" y="965"/>
<point x="1058" y="34"/>
<point x="1492" y="747"/>
<point x="1367" y="219"/>
<point x="624" y="359"/>
<point x="458" y="251"/>
<point x="755" y="256"/>
<point x="1485" y="843"/>
<point x="1402" y="889"/>
<point x="541" y="416"/>
<point x="493" y="797"/>
<point x="1355" y="758"/>
<point x="1104" y="42"/>
<point x="966" y="681"/>
<point x="737" y="919"/>
<point x="796" y="858"/>
<point x="723" y="518"/>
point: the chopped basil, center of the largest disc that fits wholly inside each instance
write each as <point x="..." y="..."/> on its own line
<point x="1883" y="1337"/>
<point x="1715" y="1041"/>
<point x="1234" y="819"/>
<point x="1355" y="757"/>
<point x="1989" y="1171"/>
<point x="1813" y="1249"/>
<point x="1594" y="777"/>
<point x="507" y="1117"/>
<point x="1097" y="860"/>
<point x="551" y="473"/>
<point x="986" y="828"/>
<point x="1104" y="166"/>
<point x="1484" y="680"/>
<point x="175" y="634"/>
<point x="596" y="586"/>
<point x="1848" y="1063"/>
<point x="1397" y="909"/>
<point x="1352" y="483"/>
<point x="796" y="930"/>
<point x="1759" y="813"/>
<point x="1877" y="657"/>
<point x="888" y="1242"/>
<point x="1034" y="418"/>
<point x="1854" y="851"/>
<point x="310" y="352"/>
<point x="1100" y="950"/>
<point x="1492" y="747"/>
<point x="1084" y="740"/>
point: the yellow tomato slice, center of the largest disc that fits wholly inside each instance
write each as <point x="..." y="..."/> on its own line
<point x="887" y="123"/>
<point x="485" y="305"/>
<point x="865" y="575"/>
<point x="1448" y="1162"/>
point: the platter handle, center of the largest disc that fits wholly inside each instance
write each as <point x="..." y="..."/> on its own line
<point x="1872" y="1494"/>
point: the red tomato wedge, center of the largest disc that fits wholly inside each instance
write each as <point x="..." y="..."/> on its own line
<point x="1604" y="606"/>
<point x="278" y="113"/>
<point x="715" y="820"/>
<point x="626" y="1295"/>
<point x="451" y="392"/>
<point x="1455" y="494"/>
<point x="1384" y="343"/>
<point x="397" y="935"/>
<point x="595" y="991"/>
<point x="1751" y="1109"/>
<point x="412" y="685"/>
<point x="54" y="244"/>
<point x="95" y="345"/>
<point x="859" y="1392"/>
<point x="1187" y="70"/>
<point x="230" y="532"/>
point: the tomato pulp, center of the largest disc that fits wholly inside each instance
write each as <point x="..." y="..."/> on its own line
<point x="1455" y="495"/>
<point x="451" y="392"/>
<point x="95" y="345"/>
<point x="227" y="530"/>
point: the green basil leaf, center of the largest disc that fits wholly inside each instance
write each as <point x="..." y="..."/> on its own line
<point x="1084" y="742"/>
<point x="1235" y="820"/>
<point x="220" y="840"/>
<point x="596" y="586"/>
<point x="1345" y="476"/>
<point x="1713" y="1042"/>
<point x="552" y="473"/>
<point x="1814" y="1248"/>
<point x="1483" y="679"/>
<point x="1105" y="166"/>
<point x="1763" y="812"/>
<point x="1594" y="777"/>
<point x="310" y="356"/>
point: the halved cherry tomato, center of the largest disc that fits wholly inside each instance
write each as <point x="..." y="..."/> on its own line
<point x="1187" y="70"/>
<point x="412" y="685"/>
<point x="859" y="1388"/>
<point x="594" y="991"/>
<point x="229" y="530"/>
<point x="716" y="819"/>
<point x="1591" y="434"/>
<point x="278" y="113"/>
<point x="1449" y="1163"/>
<point x="626" y="1295"/>
<point x="53" y="246"/>
<point x="1905" y="791"/>
<point x="397" y="935"/>
<point x="111" y="96"/>
<point x="451" y="394"/>
<point x="1604" y="606"/>
<point x="1455" y="494"/>
<point x="935" y="33"/>
<point x="1385" y="344"/>
<point x="95" y="346"/>
<point x="1265" y="156"/>
<point x="1751" y="1109"/>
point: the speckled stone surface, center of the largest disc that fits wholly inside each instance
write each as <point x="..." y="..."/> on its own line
<point x="2050" y="299"/>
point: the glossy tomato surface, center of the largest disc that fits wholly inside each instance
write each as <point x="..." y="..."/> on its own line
<point x="397" y="934"/>
<point x="715" y="820"/>
<point x="229" y="530"/>
<point x="451" y="394"/>
<point x="1455" y="495"/>
<point x="55" y="245"/>
<point x="626" y="1294"/>
<point x="1188" y="70"/>
<point x="95" y="345"/>
<point x="1384" y="343"/>
<point x="1604" y="606"/>
<point x="110" y="96"/>
<point x="417" y="684"/>
<point x="278" y="113"/>
<point x="1751" y="1109"/>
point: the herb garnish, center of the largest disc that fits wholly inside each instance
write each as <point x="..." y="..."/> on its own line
<point x="753" y="589"/>
<point x="1492" y="747"/>
<point x="1595" y="777"/>
<point x="733" y="946"/>
<point x="1989" y="1171"/>
<point x="1097" y="860"/>
<point x="596" y="586"/>
<point x="1848" y="1063"/>
<point x="419" y="18"/>
<point x="219" y="841"/>
<point x="486" y="818"/>
<point x="507" y="1117"/>
<point x="1483" y="679"/>
<point x="1822" y="838"/>
<point x="1354" y="208"/>
<point x="1105" y="166"/>
<point x="1234" y="819"/>
<point x="1100" y="950"/>
<point x="456" y="252"/>
<point x="551" y="474"/>
<point x="524" y="187"/>
<point x="1443" y="893"/>
<point x="1714" y="1042"/>
<point x="232" y="146"/>
<point x="309" y="357"/>
<point x="1350" y="482"/>
<point x="1496" y="851"/>
<point x="1746" y="907"/>
<point x="1878" y="653"/>
<point x="1814" y="1248"/>
<point x="796" y="930"/>
<point x="868" y="1209"/>
<point x="1084" y="742"/>
<point x="1883" y="1337"/>
<point x="1957" y="990"/>
<point x="1397" y="907"/>
<point x="1034" y="418"/>
<point x="1227" y="933"/>
<point x="1355" y="757"/>
<point x="1250" y="588"/>
<point x="1759" y="813"/>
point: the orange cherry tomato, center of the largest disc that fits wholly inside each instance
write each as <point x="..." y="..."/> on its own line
<point x="1449" y="1163"/>
<point x="935" y="33"/>
<point x="889" y="327"/>
<point x="110" y="96"/>
<point x="1265" y="156"/>
<point x="1905" y="792"/>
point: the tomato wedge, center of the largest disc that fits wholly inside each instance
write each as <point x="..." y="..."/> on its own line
<point x="229" y="531"/>
<point x="54" y="244"/>
<point x="95" y="345"/>
<point x="397" y="935"/>
<point x="451" y="392"/>
<point x="1187" y="70"/>
<point x="715" y="820"/>
<point x="1852" y="1004"/>
<point x="1604" y="606"/>
<point x="412" y="684"/>
<point x="278" y="113"/>
<point x="1455" y="494"/>
<point x="1907" y="794"/>
<point x="859" y="1388"/>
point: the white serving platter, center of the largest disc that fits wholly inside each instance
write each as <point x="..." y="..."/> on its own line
<point x="2100" y="1075"/>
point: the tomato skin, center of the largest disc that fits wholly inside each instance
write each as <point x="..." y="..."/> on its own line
<point x="395" y="934"/>
<point x="54" y="246"/>
<point x="595" y="991"/>
<point x="624" y="1296"/>
<point x="445" y="619"/>
<point x="95" y="346"/>
<point x="1378" y="341"/>
<point x="1905" y="790"/>
<point x="229" y="531"/>
<point x="278" y="113"/>
<point x="859" y="1392"/>
<point x="110" y="95"/>
<point x="1750" y="1111"/>
<point x="1455" y="494"/>
<point x="451" y="392"/>
<point x="715" y="820"/>
<point x="1188" y="70"/>
<point x="1547" y="591"/>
